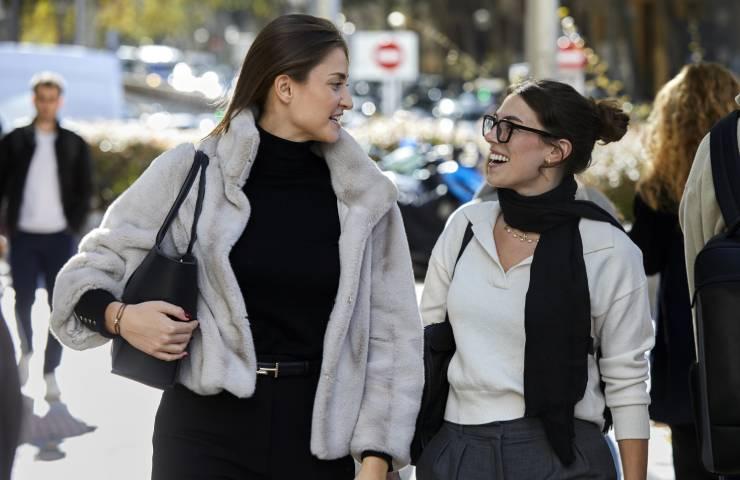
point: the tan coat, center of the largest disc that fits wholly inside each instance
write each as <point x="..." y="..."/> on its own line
<point x="699" y="213"/>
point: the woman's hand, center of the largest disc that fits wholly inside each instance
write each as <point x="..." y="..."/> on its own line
<point x="147" y="327"/>
<point x="373" y="468"/>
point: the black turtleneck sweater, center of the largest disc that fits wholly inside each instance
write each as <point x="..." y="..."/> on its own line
<point x="287" y="259"/>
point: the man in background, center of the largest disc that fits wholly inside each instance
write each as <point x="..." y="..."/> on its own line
<point x="45" y="190"/>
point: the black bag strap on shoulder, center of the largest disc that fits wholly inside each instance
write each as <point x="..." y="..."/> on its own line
<point x="200" y="163"/>
<point x="726" y="167"/>
<point x="467" y="236"/>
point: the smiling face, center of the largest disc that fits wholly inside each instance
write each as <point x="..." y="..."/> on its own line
<point x="526" y="163"/>
<point x="314" y="107"/>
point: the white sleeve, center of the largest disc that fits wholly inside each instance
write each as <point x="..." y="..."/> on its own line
<point x="441" y="265"/>
<point x="626" y="336"/>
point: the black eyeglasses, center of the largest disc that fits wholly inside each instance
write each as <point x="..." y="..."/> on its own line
<point x="505" y="128"/>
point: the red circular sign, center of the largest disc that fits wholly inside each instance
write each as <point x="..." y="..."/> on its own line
<point x="571" y="57"/>
<point x="388" y="55"/>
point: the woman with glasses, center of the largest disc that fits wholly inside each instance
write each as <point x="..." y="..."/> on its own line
<point x="305" y="348"/>
<point x="547" y="301"/>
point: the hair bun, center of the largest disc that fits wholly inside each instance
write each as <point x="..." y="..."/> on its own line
<point x="612" y="120"/>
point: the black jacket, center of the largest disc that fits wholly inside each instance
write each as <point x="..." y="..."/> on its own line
<point x="74" y="167"/>
<point x="659" y="236"/>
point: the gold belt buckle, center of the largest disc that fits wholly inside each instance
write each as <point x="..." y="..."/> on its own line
<point x="266" y="371"/>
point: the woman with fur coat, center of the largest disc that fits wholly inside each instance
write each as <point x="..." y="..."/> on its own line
<point x="306" y="347"/>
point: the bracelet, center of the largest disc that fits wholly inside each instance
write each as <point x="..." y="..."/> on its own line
<point x="117" y="321"/>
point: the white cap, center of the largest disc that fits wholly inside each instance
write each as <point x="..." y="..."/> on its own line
<point x="48" y="77"/>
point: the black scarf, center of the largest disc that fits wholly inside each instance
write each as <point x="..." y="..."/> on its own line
<point x="557" y="312"/>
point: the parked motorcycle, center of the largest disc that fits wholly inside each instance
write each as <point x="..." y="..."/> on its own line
<point x="433" y="181"/>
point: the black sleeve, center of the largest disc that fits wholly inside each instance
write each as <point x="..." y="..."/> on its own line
<point x="4" y="167"/>
<point x="91" y="310"/>
<point x="651" y="232"/>
<point x="383" y="455"/>
<point x="84" y="188"/>
<point x="11" y="406"/>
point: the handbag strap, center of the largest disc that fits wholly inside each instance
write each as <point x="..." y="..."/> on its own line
<point x="467" y="236"/>
<point x="200" y="162"/>
<point x="726" y="166"/>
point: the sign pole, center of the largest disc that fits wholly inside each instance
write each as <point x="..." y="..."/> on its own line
<point x="540" y="35"/>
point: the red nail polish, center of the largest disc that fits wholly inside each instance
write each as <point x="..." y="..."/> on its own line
<point x="188" y="316"/>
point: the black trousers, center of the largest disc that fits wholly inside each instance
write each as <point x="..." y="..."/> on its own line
<point x="34" y="255"/>
<point x="686" y="460"/>
<point x="513" y="449"/>
<point x="266" y="436"/>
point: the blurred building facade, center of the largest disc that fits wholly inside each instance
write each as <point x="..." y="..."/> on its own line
<point x="643" y="42"/>
<point x="646" y="42"/>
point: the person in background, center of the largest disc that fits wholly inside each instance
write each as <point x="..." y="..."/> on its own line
<point x="306" y="346"/>
<point x="699" y="212"/>
<point x="683" y="111"/>
<point x="46" y="187"/>
<point x="11" y="406"/>
<point x="548" y="299"/>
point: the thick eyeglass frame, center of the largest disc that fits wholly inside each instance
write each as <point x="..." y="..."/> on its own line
<point x="512" y="126"/>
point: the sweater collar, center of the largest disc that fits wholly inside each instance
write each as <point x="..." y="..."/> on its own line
<point x="356" y="180"/>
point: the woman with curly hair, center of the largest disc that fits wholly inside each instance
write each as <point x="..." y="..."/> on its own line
<point x="684" y="110"/>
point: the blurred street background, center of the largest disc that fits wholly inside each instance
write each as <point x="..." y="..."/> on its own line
<point x="145" y="75"/>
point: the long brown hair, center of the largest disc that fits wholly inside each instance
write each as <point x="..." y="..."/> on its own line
<point x="289" y="45"/>
<point x="685" y="109"/>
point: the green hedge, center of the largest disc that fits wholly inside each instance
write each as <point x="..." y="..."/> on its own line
<point x="116" y="170"/>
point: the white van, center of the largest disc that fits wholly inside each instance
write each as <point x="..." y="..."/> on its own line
<point x="94" y="88"/>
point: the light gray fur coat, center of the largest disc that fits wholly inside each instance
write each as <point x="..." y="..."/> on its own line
<point x="372" y="369"/>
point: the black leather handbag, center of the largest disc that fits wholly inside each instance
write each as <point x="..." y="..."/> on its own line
<point x="439" y="347"/>
<point x="164" y="278"/>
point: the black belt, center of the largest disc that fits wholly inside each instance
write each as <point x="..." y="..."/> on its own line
<point x="287" y="369"/>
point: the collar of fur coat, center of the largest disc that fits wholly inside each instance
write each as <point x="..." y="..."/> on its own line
<point x="356" y="179"/>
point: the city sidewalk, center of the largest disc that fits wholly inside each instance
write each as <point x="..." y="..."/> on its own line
<point x="123" y="412"/>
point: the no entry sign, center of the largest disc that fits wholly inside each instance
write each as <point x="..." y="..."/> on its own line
<point x="388" y="55"/>
<point x="382" y="56"/>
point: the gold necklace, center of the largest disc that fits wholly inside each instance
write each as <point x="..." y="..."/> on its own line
<point x="519" y="235"/>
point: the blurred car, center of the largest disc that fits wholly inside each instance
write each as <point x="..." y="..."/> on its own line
<point x="432" y="183"/>
<point x="467" y="106"/>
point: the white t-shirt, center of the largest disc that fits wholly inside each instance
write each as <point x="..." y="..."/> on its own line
<point x="41" y="210"/>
